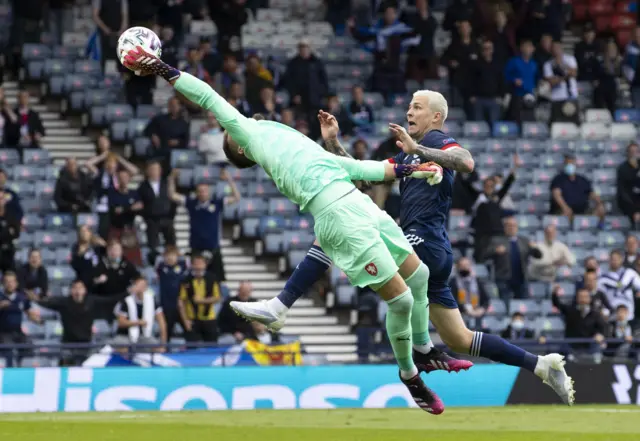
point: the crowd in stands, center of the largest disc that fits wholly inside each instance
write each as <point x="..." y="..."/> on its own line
<point x="505" y="66"/>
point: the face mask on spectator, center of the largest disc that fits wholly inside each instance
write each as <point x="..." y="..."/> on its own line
<point x="214" y="130"/>
<point x="498" y="187"/>
<point x="517" y="325"/>
<point x="115" y="260"/>
<point x="570" y="169"/>
<point x="464" y="273"/>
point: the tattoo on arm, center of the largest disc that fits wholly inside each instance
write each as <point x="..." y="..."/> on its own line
<point x="457" y="158"/>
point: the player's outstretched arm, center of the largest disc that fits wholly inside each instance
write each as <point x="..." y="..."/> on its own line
<point x="196" y="91"/>
<point x="374" y="171"/>
<point x="455" y="158"/>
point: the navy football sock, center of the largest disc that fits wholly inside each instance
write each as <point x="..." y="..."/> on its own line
<point x="497" y="349"/>
<point x="308" y="272"/>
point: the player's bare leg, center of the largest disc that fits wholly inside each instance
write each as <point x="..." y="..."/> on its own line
<point x="398" y="323"/>
<point x="426" y="357"/>
<point x="456" y="335"/>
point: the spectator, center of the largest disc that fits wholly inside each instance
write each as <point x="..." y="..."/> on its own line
<point x="360" y="113"/>
<point x="195" y="66"/>
<point x="211" y="140"/>
<point x="170" y="47"/>
<point x="9" y="231"/>
<point x="73" y="189"/>
<point x="29" y="131"/>
<point x="171" y="272"/>
<point x="13" y="303"/>
<point x="124" y="205"/>
<point x="599" y="301"/>
<point x="76" y="314"/>
<point x="469" y="291"/>
<point x="620" y="329"/>
<point x="581" y="321"/>
<point x="205" y="220"/>
<point x="199" y="292"/>
<point x="11" y="199"/>
<point x="509" y="254"/>
<point x="112" y="19"/>
<point x="543" y="53"/>
<point x="137" y="314"/>
<point x="86" y="253"/>
<point x="111" y="277"/>
<point x="26" y="20"/>
<point x="503" y="34"/>
<point x="231" y="323"/>
<point x="306" y="80"/>
<point x="457" y="12"/>
<point x="104" y="168"/>
<point x="459" y="58"/>
<point x="288" y="117"/>
<point x="631" y="57"/>
<point x="257" y="77"/>
<point x="466" y="189"/>
<point x="210" y="58"/>
<point x="229" y="17"/>
<point x="591" y="265"/>
<point x="628" y="185"/>
<point x="555" y="254"/>
<point x="144" y="13"/>
<point x="268" y="106"/>
<point x="8" y="121"/>
<point x="485" y="86"/>
<point x="561" y="72"/>
<point x="546" y="16"/>
<point x="138" y="90"/>
<point x="158" y="210"/>
<point x="571" y="193"/>
<point x="168" y="131"/>
<point x="521" y="77"/>
<point x="608" y="72"/>
<point x="621" y="285"/>
<point x="230" y="74"/>
<point x="33" y="277"/>
<point x="236" y="99"/>
<point x="487" y="219"/>
<point x="360" y="150"/>
<point x="343" y="116"/>
<point x="517" y="330"/>
<point x="507" y="204"/>
<point x="421" y="62"/>
<point x="586" y="52"/>
<point x="630" y="251"/>
<point x="173" y="15"/>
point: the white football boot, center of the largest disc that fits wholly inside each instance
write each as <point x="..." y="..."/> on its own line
<point x="550" y="369"/>
<point x="261" y="312"/>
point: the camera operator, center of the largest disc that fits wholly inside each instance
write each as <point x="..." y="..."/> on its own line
<point x="561" y="72"/>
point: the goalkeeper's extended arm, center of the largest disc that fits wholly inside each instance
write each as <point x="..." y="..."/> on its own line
<point x="200" y="93"/>
<point x="374" y="171"/>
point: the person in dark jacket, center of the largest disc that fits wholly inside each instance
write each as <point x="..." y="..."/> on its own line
<point x="628" y="184"/>
<point x="586" y="53"/>
<point x="73" y="189"/>
<point x="487" y="219"/>
<point x="421" y="60"/>
<point x="231" y="323"/>
<point x="466" y="189"/>
<point x="11" y="198"/>
<point x="581" y="321"/>
<point x="485" y="86"/>
<point x="257" y="77"/>
<point x="9" y="231"/>
<point x="9" y="119"/>
<point x="86" y="253"/>
<point x="29" y="130"/>
<point x="171" y="271"/>
<point x="459" y="57"/>
<point x="229" y="17"/>
<point x="306" y="80"/>
<point x="360" y="113"/>
<point x="33" y="276"/>
<point x="168" y="131"/>
<point x="516" y="329"/>
<point x="158" y="210"/>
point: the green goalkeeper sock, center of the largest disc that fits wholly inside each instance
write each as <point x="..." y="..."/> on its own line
<point x="419" y="284"/>
<point x="399" y="331"/>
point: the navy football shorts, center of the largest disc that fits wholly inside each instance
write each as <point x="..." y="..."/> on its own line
<point x="438" y="257"/>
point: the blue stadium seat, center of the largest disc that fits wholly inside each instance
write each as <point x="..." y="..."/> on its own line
<point x="492" y="161"/>
<point x="530" y="146"/>
<point x="252" y="207"/>
<point x="552" y="162"/>
<point x="273" y="243"/>
<point x="9" y="158"/>
<point x="51" y="173"/>
<point x="543" y="176"/>
<point x="185" y="158"/>
<point x="497" y="308"/>
<point x="528" y="307"/>
<point x="346" y="296"/>
<point x="98" y="116"/>
<point x="604" y="176"/>
<point x="262" y="189"/>
<point x="481" y="271"/>
<point x="34" y="51"/>
<point x="528" y="222"/>
<point x="581" y="239"/>
<point x="475" y="146"/>
<point x="185" y="178"/>
<point x="539" y="290"/>
<point x="551" y="327"/>
<point x="33" y="330"/>
<point x="89" y="219"/>
<point x="537" y="191"/>
<point x="535" y="130"/>
<point x="271" y="224"/>
<point x="589" y="147"/>
<point x="619" y="222"/>
<point x="501" y="146"/>
<point x="374" y="99"/>
<point x="561" y="222"/>
<point x="141" y="147"/>
<point x="457" y="222"/>
<point x="297" y="240"/>
<point x="249" y="227"/>
<point x="495" y="325"/>
<point x="87" y="67"/>
<point x="54" y="67"/>
<point x="204" y="174"/>
<point x="476" y="129"/>
<point x="627" y="115"/>
<point x="49" y="239"/>
<point x="36" y="157"/>
<point x="223" y="189"/>
<point x="361" y="56"/>
<point x="32" y="222"/>
<point x="611" y="239"/>
<point x="334" y="55"/>
<point x="338" y="277"/>
<point x="28" y="173"/>
<point x="456" y="114"/>
<point x="505" y="129"/>
<point x="118" y="131"/>
<point x="35" y="69"/>
<point x="451" y="128"/>
<point x="78" y="82"/>
<point x="282" y="206"/>
<point x="24" y="189"/>
<point x="56" y="85"/>
<point x="147" y="111"/>
<point x="246" y="174"/>
<point x="568" y="289"/>
<point x="560" y="146"/>
<point x="77" y="101"/>
<point x="335" y="70"/>
<point x="294" y="257"/>
<point x="304" y="223"/>
<point x="102" y="329"/>
<point x="358" y="73"/>
<point x="135" y="127"/>
<point x="118" y="112"/>
<point x="588" y="161"/>
<point x="68" y="52"/>
<point x="63" y="256"/>
<point x="97" y="97"/>
<point x="585" y="223"/>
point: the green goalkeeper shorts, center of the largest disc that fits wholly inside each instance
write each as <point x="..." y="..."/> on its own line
<point x="361" y="240"/>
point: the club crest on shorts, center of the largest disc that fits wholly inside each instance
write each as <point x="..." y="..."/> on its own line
<point x="372" y="269"/>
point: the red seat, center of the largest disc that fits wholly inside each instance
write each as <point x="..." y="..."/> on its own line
<point x="600" y="7"/>
<point x="602" y="23"/>
<point x="622" y="6"/>
<point x="580" y="12"/>
<point x="623" y="37"/>
<point x="623" y="21"/>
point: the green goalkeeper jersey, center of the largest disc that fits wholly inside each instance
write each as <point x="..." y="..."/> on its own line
<point x="299" y="167"/>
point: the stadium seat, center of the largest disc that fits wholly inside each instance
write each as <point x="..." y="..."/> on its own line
<point x="542" y="176"/>
<point x="262" y="189"/>
<point x="619" y="222"/>
<point x="457" y="222"/>
<point x="564" y="131"/>
<point x="9" y="157"/>
<point x="552" y="161"/>
<point x="135" y="127"/>
<point x="535" y="130"/>
<point x="391" y="114"/>
<point x="594" y="131"/>
<point x="494" y="325"/>
<point x="24" y="189"/>
<point x="451" y="128"/>
<point x="303" y="223"/>
<point x="611" y="239"/>
<point x="585" y="223"/>
<point x="282" y="206"/>
<point x="119" y="131"/>
<point x="87" y="67"/>
<point x="297" y="240"/>
<point x="505" y="129"/>
<point x="59" y="222"/>
<point x="62" y="274"/>
<point x="63" y="256"/>
<point x="497" y="308"/>
<point x="528" y="307"/>
<point x="249" y="227"/>
<point x="560" y="146"/>
<point x="375" y="100"/>
<point x="141" y="147"/>
<point x="38" y="157"/>
<point x="271" y="224"/>
<point x="476" y="129"/>
<point x="527" y="222"/>
<point x="89" y="219"/>
<point x="346" y="296"/>
<point x="551" y="327"/>
<point x="251" y="207"/>
<point x="623" y="132"/>
<point x="627" y="115"/>
<point x="33" y="51"/>
<point x="273" y="243"/>
<point x="598" y="116"/>
<point x="294" y="257"/>
<point x="539" y="290"/>
<point x="561" y="222"/>
<point x="118" y="112"/>
<point x="581" y="239"/>
<point x="456" y="114"/>
<point x="185" y="158"/>
<point x="185" y="179"/>
<point x="204" y="174"/>
<point x="338" y="277"/>
<point x="501" y="146"/>
<point x="28" y="173"/>
<point x="474" y="145"/>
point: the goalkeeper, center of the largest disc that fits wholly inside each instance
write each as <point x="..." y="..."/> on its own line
<point x="360" y="239"/>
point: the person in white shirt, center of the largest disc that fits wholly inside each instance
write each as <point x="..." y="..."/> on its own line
<point x="621" y="285"/>
<point x="554" y="255"/>
<point x="211" y="140"/>
<point x="561" y="72"/>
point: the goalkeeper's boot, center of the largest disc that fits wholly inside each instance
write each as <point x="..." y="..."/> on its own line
<point x="260" y="312"/>
<point x="425" y="398"/>
<point x="436" y="360"/>
<point x="550" y="368"/>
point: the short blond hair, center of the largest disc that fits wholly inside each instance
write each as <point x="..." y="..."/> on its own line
<point x="437" y="102"/>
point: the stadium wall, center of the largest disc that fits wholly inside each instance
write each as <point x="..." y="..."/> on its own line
<point x="215" y="388"/>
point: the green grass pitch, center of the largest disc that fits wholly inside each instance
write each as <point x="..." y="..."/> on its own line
<point x="516" y="423"/>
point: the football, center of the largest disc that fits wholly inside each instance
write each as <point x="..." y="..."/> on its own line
<point x="138" y="36"/>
